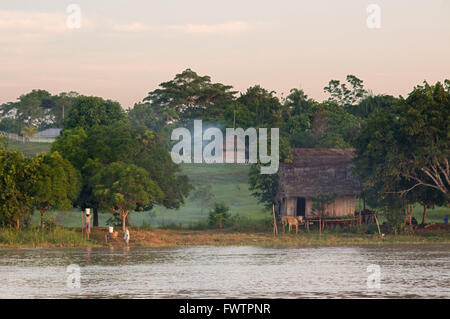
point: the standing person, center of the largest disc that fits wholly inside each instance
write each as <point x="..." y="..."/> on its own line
<point x="87" y="224"/>
<point x="126" y="237"/>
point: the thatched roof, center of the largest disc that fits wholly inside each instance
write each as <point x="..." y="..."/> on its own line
<point x="313" y="172"/>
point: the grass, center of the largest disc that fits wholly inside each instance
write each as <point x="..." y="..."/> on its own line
<point x="229" y="185"/>
<point x="29" y="148"/>
<point x="35" y="237"/>
<point x="149" y="237"/>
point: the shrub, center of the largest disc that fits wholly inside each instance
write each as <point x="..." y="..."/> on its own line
<point x="219" y="215"/>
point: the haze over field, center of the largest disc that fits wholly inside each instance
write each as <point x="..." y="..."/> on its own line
<point x="123" y="51"/>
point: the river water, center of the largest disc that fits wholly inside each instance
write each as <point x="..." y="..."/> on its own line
<point x="405" y="271"/>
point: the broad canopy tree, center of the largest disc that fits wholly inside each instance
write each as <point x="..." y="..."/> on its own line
<point x="121" y="188"/>
<point x="189" y="96"/>
<point x="90" y="111"/>
<point x="92" y="149"/>
<point x="403" y="152"/>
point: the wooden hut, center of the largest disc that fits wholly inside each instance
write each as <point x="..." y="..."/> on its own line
<point x="315" y="172"/>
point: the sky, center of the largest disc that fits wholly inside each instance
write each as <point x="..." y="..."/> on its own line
<point x="124" y="49"/>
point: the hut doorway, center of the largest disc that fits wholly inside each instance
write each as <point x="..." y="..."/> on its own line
<point x="301" y="206"/>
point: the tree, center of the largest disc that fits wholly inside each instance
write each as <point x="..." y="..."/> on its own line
<point x="63" y="103"/>
<point x="203" y="195"/>
<point x="154" y="117"/>
<point x="325" y="125"/>
<point x="320" y="203"/>
<point x="263" y="186"/>
<point x="424" y="126"/>
<point x="57" y="184"/>
<point x="219" y="215"/>
<point x="191" y="96"/>
<point x="402" y="153"/>
<point x="38" y="108"/>
<point x="257" y="107"/>
<point x="29" y="131"/>
<point x="371" y="104"/>
<point x="92" y="149"/>
<point x="90" y="111"/>
<point x="17" y="177"/>
<point x="121" y="188"/>
<point x="343" y="95"/>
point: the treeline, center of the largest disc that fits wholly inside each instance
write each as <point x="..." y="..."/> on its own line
<point x="402" y="144"/>
<point x="100" y="161"/>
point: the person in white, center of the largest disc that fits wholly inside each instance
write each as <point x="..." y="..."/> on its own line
<point x="126" y="237"/>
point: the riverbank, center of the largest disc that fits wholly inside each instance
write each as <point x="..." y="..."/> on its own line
<point x="141" y="237"/>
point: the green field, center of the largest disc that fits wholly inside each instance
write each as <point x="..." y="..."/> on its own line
<point x="229" y="184"/>
<point x="29" y="148"/>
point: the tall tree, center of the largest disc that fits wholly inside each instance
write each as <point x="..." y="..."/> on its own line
<point x="90" y="150"/>
<point x="343" y="95"/>
<point x="191" y="96"/>
<point x="402" y="153"/>
<point x="57" y="184"/>
<point x="122" y="188"/>
<point x="257" y="107"/>
<point x="17" y="177"/>
<point x="90" y="111"/>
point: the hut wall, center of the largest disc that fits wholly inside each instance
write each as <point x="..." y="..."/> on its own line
<point x="291" y="206"/>
<point x="342" y="206"/>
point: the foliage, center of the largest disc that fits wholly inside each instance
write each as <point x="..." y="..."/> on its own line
<point x="402" y="153"/>
<point x="256" y="108"/>
<point x="17" y="177"/>
<point x="219" y="215"/>
<point x="154" y="117"/>
<point x="92" y="149"/>
<point x="90" y="111"/>
<point x="57" y="184"/>
<point x="320" y="203"/>
<point x="189" y="96"/>
<point x="38" y="108"/>
<point x="28" y="131"/>
<point x="263" y="186"/>
<point x="344" y="96"/>
<point x="121" y="187"/>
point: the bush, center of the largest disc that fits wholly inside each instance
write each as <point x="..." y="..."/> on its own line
<point x="396" y="221"/>
<point x="219" y="215"/>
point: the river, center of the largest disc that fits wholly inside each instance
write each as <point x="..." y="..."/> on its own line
<point x="400" y="271"/>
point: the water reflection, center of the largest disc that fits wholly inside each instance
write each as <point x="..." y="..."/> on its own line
<point x="223" y="272"/>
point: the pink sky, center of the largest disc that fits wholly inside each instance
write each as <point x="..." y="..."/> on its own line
<point x="123" y="51"/>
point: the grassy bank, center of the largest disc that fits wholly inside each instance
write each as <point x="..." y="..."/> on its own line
<point x="145" y="237"/>
<point x="35" y="237"/>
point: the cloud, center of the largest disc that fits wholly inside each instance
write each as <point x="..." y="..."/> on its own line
<point x="233" y="27"/>
<point x="24" y="21"/>
<point x="227" y="28"/>
<point x="133" y="27"/>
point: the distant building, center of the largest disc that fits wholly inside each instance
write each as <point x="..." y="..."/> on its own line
<point x="48" y="135"/>
<point x="314" y="172"/>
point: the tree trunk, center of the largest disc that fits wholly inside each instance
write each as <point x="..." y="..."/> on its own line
<point x="424" y="214"/>
<point x="42" y="219"/>
<point x="124" y="220"/>
<point x="320" y="225"/>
